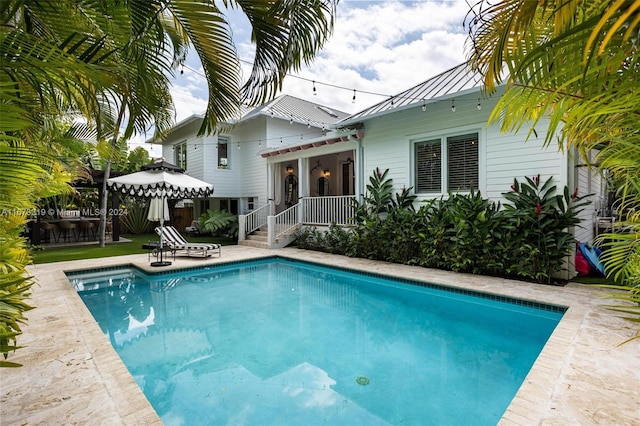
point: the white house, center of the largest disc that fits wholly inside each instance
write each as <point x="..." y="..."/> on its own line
<point x="293" y="162"/>
<point x="231" y="160"/>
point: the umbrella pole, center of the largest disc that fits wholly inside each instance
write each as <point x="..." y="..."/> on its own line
<point x="160" y="261"/>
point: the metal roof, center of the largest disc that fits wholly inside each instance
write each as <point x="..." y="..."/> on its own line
<point x="455" y="80"/>
<point x="287" y="107"/>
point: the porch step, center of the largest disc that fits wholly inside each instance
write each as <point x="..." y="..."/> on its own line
<point x="254" y="243"/>
<point x="256" y="237"/>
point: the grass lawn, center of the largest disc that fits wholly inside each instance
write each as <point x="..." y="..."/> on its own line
<point x="60" y="254"/>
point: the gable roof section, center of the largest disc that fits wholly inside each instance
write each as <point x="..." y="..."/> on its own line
<point x="458" y="79"/>
<point x="286" y="107"/>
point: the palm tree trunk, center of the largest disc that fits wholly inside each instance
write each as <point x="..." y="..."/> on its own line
<point x="107" y="173"/>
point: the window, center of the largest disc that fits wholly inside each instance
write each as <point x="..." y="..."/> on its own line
<point x="461" y="172"/>
<point x="428" y="166"/>
<point x="250" y="203"/>
<point x="180" y="151"/>
<point x="462" y="159"/>
<point x="223" y="152"/>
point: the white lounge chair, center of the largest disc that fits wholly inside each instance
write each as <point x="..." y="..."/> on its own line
<point x="176" y="242"/>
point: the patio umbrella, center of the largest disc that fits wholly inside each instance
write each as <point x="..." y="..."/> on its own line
<point x="161" y="181"/>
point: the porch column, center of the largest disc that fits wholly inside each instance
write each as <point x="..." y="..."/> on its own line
<point x="303" y="178"/>
<point x="271" y="188"/>
<point x="303" y="187"/>
<point x="358" y="170"/>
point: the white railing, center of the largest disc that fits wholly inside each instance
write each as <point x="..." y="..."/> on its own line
<point x="253" y="220"/>
<point x="283" y="223"/>
<point x="324" y="211"/>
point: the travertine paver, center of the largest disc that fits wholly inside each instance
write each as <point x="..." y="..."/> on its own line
<point x="71" y="375"/>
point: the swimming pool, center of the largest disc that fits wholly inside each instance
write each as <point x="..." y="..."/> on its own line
<point x="286" y="342"/>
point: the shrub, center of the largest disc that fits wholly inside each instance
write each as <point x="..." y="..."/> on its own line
<point x="219" y="222"/>
<point x="135" y="221"/>
<point x="539" y="220"/>
<point x="528" y="239"/>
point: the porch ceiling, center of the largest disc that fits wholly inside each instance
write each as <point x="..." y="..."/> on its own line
<point x="317" y="142"/>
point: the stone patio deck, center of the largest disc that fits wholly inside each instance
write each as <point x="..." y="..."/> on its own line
<point x="72" y="375"/>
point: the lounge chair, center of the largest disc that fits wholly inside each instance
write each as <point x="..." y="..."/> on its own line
<point x="176" y="242"/>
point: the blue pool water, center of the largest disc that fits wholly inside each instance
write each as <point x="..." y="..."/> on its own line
<point x="278" y="342"/>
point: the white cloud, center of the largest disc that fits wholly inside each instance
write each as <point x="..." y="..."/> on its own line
<point x="384" y="47"/>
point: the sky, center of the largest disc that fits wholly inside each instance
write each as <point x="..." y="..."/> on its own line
<point x="384" y="47"/>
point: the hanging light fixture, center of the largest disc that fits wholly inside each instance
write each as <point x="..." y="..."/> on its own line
<point x="453" y="106"/>
<point x="479" y="106"/>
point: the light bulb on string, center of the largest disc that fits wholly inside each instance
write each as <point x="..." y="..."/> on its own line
<point x="479" y="106"/>
<point x="238" y="145"/>
<point x="424" y="105"/>
<point x="308" y="125"/>
<point x="453" y="106"/>
<point x="353" y="100"/>
<point x="259" y="143"/>
<point x="290" y="121"/>
<point x="314" y="88"/>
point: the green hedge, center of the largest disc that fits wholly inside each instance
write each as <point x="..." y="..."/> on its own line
<point x="527" y="238"/>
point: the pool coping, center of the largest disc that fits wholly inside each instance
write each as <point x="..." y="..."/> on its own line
<point x="71" y="373"/>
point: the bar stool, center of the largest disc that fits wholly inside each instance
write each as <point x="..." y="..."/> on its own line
<point x="49" y="230"/>
<point x="87" y="228"/>
<point x="65" y="228"/>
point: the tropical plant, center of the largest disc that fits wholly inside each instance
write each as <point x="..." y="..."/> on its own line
<point x="543" y="219"/>
<point x="109" y="63"/>
<point x="219" y="222"/>
<point x="135" y="220"/>
<point x="22" y="179"/>
<point x="576" y="63"/>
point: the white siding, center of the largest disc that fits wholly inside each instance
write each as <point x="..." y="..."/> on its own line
<point x="253" y="181"/>
<point x="389" y="141"/>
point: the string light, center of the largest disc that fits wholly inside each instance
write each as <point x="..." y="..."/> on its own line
<point x="424" y="105"/>
<point x="353" y="100"/>
<point x="308" y="124"/>
<point x="479" y="106"/>
<point x="259" y="143"/>
<point x="290" y="121"/>
<point x="453" y="105"/>
<point x="314" y="82"/>
<point x="238" y="145"/>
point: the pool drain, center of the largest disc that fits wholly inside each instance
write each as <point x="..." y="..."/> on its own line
<point x="362" y="380"/>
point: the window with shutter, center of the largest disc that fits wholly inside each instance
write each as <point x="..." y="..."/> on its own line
<point x="462" y="162"/>
<point x="428" y="166"/>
